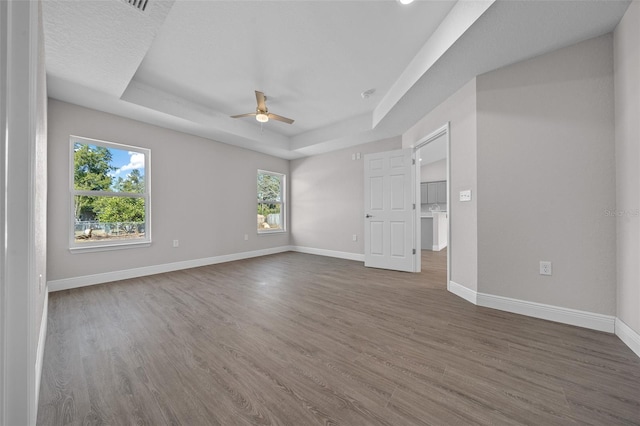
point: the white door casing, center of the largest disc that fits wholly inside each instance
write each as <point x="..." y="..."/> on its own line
<point x="389" y="228"/>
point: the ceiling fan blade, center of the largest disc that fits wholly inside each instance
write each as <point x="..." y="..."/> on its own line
<point x="251" y="114"/>
<point x="280" y="118"/>
<point x="261" y="99"/>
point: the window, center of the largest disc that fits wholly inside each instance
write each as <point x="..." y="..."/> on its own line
<point x="109" y="195"/>
<point x="271" y="207"/>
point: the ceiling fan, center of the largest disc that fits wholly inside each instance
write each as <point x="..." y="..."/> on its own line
<point x="262" y="114"/>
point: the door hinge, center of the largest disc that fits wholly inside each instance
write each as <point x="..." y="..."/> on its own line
<point x="413" y="161"/>
<point x="414" y="206"/>
<point x="414" y="251"/>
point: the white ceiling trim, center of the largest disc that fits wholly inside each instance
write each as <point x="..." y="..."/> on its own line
<point x="463" y="15"/>
<point x="152" y="97"/>
<point x="90" y="98"/>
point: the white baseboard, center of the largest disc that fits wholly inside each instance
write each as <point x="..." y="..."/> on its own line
<point x="87" y="280"/>
<point x="330" y="253"/>
<point x="559" y="314"/>
<point x="41" y="341"/>
<point x="628" y="336"/>
<point x="438" y="247"/>
<point x="462" y="291"/>
<point x="563" y="315"/>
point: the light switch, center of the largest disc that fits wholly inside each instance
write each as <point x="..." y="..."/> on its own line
<point x="465" y="195"/>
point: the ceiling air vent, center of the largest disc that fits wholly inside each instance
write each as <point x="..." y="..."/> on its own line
<point x="138" y="4"/>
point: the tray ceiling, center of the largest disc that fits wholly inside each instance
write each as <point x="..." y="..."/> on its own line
<point x="189" y="65"/>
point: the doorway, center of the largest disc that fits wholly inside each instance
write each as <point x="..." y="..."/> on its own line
<point x="433" y="150"/>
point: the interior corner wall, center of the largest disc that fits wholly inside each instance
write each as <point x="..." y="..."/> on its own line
<point x="203" y="193"/>
<point x="328" y="199"/>
<point x="627" y="107"/>
<point x="546" y="178"/>
<point x="460" y="111"/>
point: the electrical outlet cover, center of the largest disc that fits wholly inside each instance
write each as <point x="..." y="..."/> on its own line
<point x="545" y="267"/>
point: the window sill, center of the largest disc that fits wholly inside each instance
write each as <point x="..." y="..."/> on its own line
<point x="279" y="231"/>
<point x="109" y="247"/>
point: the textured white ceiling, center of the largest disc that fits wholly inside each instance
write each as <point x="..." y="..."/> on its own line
<point x="99" y="44"/>
<point x="188" y="65"/>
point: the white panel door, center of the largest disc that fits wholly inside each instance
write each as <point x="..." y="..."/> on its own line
<point x="389" y="210"/>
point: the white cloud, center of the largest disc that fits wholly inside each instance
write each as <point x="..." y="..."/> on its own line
<point x="136" y="161"/>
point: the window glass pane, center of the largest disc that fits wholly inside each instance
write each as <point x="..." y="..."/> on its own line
<point x="101" y="168"/>
<point x="269" y="187"/>
<point x="108" y="218"/>
<point x="269" y="216"/>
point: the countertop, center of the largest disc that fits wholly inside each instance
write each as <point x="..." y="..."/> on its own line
<point x="429" y="215"/>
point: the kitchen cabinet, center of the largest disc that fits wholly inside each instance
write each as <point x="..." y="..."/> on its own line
<point x="426" y="237"/>
<point x="433" y="192"/>
<point x="433" y="231"/>
<point x="442" y="193"/>
<point x="423" y="193"/>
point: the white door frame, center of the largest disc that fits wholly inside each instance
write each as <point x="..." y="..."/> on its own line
<point x="19" y="39"/>
<point x="444" y="130"/>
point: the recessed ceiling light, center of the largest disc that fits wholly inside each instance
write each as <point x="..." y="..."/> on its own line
<point x="367" y="93"/>
<point x="405" y="1"/>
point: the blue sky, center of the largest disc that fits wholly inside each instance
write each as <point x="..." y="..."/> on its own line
<point x="125" y="161"/>
<point x="122" y="159"/>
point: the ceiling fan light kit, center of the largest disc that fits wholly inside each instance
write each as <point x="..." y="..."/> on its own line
<point x="262" y="114"/>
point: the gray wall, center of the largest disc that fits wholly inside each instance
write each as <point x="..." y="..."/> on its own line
<point x="546" y="175"/>
<point x="627" y="106"/>
<point x="328" y="198"/>
<point x="434" y="171"/>
<point x="203" y="194"/>
<point x="460" y="111"/>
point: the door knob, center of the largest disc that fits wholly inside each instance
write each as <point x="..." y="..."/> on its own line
<point x="368" y="215"/>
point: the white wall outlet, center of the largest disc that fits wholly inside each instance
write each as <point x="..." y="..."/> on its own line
<point x="176" y="243"/>
<point x="545" y="267"/>
<point x="353" y="157"/>
<point x="355" y="237"/>
<point x="465" y="195"/>
<point x="246" y="237"/>
<point x="357" y="155"/>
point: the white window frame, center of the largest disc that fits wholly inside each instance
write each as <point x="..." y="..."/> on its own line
<point x="75" y="247"/>
<point x="283" y="205"/>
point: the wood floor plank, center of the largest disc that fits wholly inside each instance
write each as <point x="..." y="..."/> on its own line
<point x="297" y="339"/>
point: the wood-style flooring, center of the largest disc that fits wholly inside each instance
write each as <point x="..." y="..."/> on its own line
<point x="297" y="339"/>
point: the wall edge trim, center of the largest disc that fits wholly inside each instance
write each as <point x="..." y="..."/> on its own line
<point x="584" y="319"/>
<point x="628" y="336"/>
<point x="329" y="253"/>
<point x="42" y="338"/>
<point x="590" y="320"/>
<point x="87" y="280"/>
<point x="463" y="292"/>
